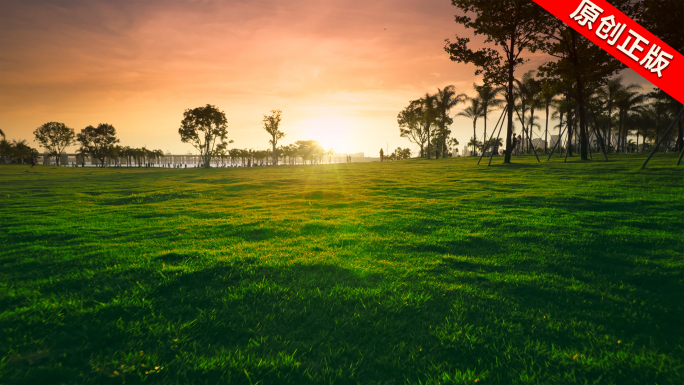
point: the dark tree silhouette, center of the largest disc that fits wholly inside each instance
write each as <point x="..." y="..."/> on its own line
<point x="473" y="112"/>
<point x="430" y="114"/>
<point x="512" y="26"/>
<point x="580" y="66"/>
<point x="206" y="129"/>
<point x="489" y="100"/>
<point x="99" y="141"/>
<point x="54" y="137"/>
<point x="664" y="18"/>
<point x="410" y="126"/>
<point x="446" y="99"/>
<point x="271" y="125"/>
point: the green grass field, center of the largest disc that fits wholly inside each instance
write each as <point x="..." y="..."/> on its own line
<point x="421" y="272"/>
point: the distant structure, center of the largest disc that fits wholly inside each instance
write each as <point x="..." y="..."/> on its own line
<point x="554" y="140"/>
<point x="538" y="143"/>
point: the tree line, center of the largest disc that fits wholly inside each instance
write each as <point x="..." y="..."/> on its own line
<point x="398" y="154"/>
<point x="205" y="128"/>
<point x="578" y="82"/>
<point x="619" y="111"/>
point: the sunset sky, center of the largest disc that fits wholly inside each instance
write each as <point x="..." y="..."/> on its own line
<point x="339" y="70"/>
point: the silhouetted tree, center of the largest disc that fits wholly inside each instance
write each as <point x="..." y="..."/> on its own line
<point x="526" y="90"/>
<point x="309" y="150"/>
<point x="609" y="93"/>
<point x="271" y="125"/>
<point x="83" y="154"/>
<point x="20" y="151"/>
<point x="206" y="129"/>
<point x="99" y="141"/>
<point x="410" y="126"/>
<point x="54" y="137"/>
<point x="489" y="100"/>
<point x="473" y="112"/>
<point x="445" y="100"/>
<point x="548" y="93"/>
<point x="430" y="114"/>
<point x="664" y="18"/>
<point x="512" y="26"/>
<point x="580" y="65"/>
<point x="626" y="101"/>
<point x="452" y="144"/>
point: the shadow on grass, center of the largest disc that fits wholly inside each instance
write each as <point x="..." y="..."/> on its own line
<point x="176" y="258"/>
<point x="324" y="323"/>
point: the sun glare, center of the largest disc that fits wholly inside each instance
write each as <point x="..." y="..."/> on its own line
<point x="331" y="132"/>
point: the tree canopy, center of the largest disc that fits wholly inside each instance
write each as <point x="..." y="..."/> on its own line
<point x="99" y="141"/>
<point x="272" y="125"/>
<point x="54" y="137"/>
<point x="206" y="129"/>
<point x="512" y="26"/>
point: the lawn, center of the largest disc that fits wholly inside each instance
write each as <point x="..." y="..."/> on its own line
<point x="418" y="271"/>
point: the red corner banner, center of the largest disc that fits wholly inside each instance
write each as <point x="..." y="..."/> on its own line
<point x="625" y="39"/>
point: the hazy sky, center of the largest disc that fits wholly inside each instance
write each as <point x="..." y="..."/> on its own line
<point x="340" y="70"/>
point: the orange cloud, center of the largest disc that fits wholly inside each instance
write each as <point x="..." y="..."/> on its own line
<point x="139" y="65"/>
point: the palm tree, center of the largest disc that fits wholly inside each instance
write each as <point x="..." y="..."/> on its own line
<point x="495" y="143"/>
<point x="530" y="124"/>
<point x="563" y="107"/>
<point x="658" y="112"/>
<point x="610" y="93"/>
<point x="548" y="93"/>
<point x="446" y="99"/>
<point x="234" y="154"/>
<point x="5" y="148"/>
<point x="474" y="143"/>
<point x="535" y="101"/>
<point x="488" y="100"/>
<point x="2" y="133"/>
<point x="83" y="153"/>
<point x="158" y="154"/>
<point x="626" y="101"/>
<point x="527" y="89"/>
<point x="641" y="122"/>
<point x="429" y="116"/>
<point x="21" y="151"/>
<point x="474" y="112"/>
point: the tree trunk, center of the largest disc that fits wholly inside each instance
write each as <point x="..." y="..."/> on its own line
<point x="680" y="136"/>
<point x="522" y="123"/>
<point x="581" y="115"/>
<point x="509" y="131"/>
<point x="485" y="131"/>
<point x="610" y="124"/>
<point x="427" y="127"/>
<point x="275" y="157"/>
<point x="584" y="138"/>
<point x="529" y="130"/>
<point x="546" y="130"/>
<point x="474" y="137"/>
<point x="568" y="142"/>
<point x="560" y="133"/>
